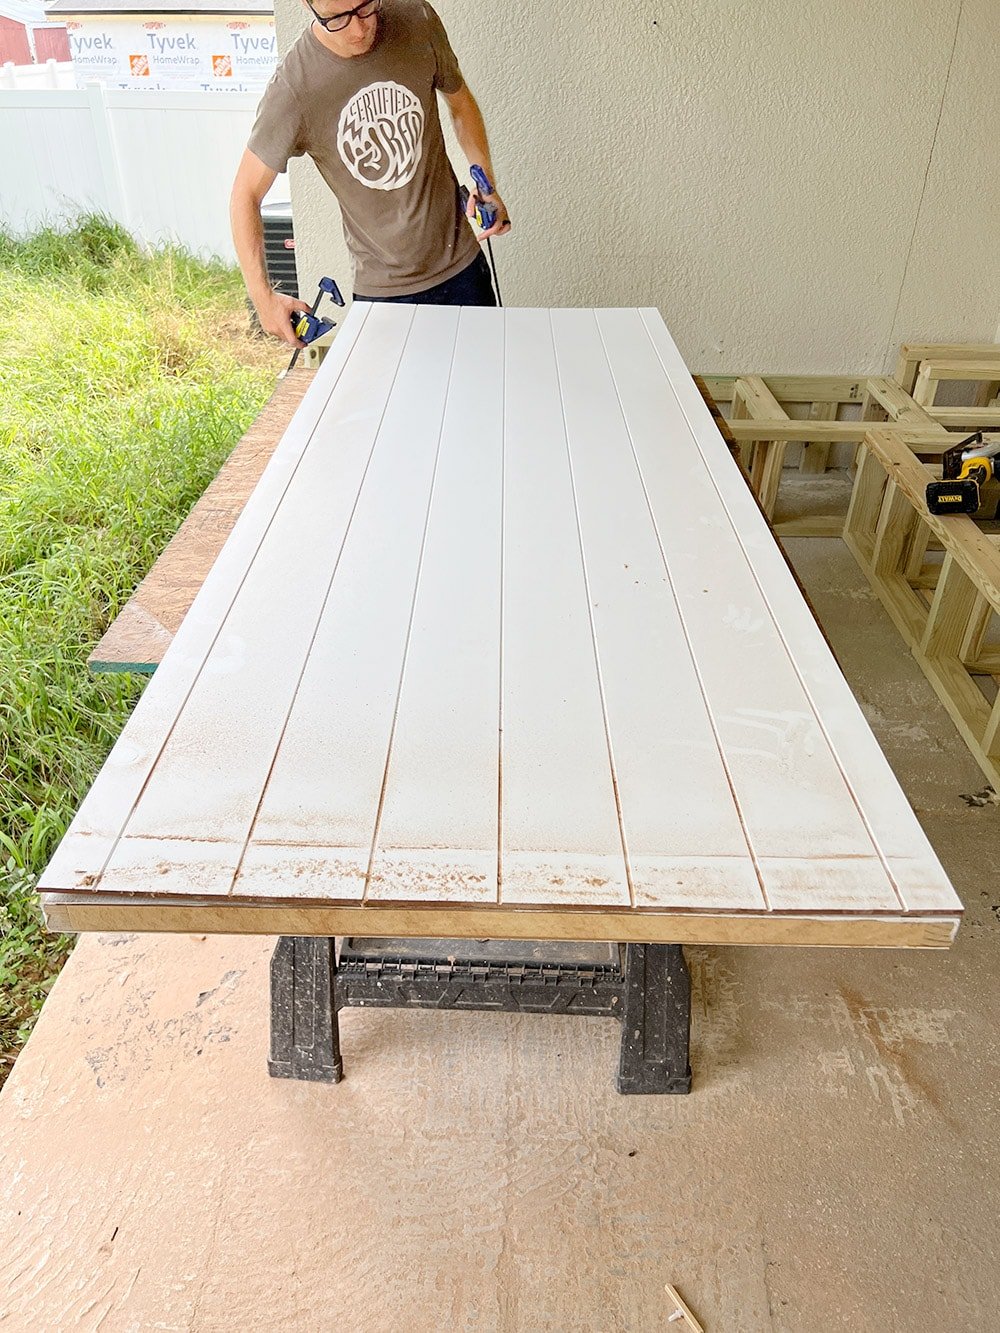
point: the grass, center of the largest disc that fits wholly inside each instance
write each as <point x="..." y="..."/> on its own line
<point x="126" y="379"/>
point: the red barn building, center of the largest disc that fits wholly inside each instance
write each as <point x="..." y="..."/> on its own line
<point x="27" y="38"/>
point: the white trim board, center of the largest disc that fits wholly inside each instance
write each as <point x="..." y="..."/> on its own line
<point x="501" y="632"/>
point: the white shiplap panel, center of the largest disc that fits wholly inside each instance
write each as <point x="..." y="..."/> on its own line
<point x="246" y="687"/>
<point x="686" y="844"/>
<point x="398" y="623"/>
<point x="80" y="858"/>
<point x="438" y="831"/>
<point x="326" y="782"/>
<point x="915" y="868"/>
<point x="561" y="840"/>
<point x="803" y="824"/>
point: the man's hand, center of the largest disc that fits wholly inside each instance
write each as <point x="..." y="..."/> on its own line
<point x="274" y="310"/>
<point x="501" y="226"/>
<point x="275" y="314"/>
<point x="471" y="135"/>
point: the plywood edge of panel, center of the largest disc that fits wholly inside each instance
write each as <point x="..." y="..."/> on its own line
<point x="70" y="913"/>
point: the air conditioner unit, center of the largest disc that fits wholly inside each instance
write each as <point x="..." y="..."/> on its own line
<point x="279" y="247"/>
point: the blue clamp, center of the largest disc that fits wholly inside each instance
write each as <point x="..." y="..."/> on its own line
<point x="486" y="214"/>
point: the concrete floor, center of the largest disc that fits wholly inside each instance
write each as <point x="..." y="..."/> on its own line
<point x="836" y="1165"/>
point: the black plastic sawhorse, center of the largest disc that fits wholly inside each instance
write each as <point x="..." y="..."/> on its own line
<point x="645" y="986"/>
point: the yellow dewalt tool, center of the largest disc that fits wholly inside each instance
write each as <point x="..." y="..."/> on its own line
<point x="965" y="470"/>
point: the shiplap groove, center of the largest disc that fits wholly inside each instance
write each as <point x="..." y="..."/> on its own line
<point x="739" y="535"/>
<point x="83" y="854"/>
<point x="786" y="778"/>
<point x="447" y="695"/>
<point x="561" y="836"/>
<point x="328" y="773"/>
<point x="241" y="702"/>
<point x="913" y="870"/>
<point x="590" y="614"/>
<point x="702" y="692"/>
<point x="689" y="836"/>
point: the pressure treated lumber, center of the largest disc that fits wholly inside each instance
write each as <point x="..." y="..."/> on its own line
<point x="897" y="405"/>
<point x="935" y="369"/>
<point x="762" y="428"/>
<point x="888" y="528"/>
<point x="928" y="442"/>
<point x="966" y="419"/>
<point x="912" y="354"/>
<point x="815" y="455"/>
<point x="768" y="455"/>
<point x="421" y="690"/>
<point x="793" y="388"/>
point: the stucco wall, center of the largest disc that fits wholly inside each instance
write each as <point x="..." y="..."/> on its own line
<point x="796" y="187"/>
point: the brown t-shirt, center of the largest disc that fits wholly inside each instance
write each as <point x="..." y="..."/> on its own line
<point x="370" y="123"/>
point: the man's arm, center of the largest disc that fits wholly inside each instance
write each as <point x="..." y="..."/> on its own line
<point x="470" y="131"/>
<point x="253" y="180"/>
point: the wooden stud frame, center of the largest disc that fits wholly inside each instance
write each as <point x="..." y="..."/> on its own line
<point x="912" y="355"/>
<point x="942" y="611"/>
<point x="763" y="428"/>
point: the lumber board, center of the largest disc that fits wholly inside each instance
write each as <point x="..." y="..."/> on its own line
<point x="816" y="525"/>
<point x="555" y="731"/>
<point x="899" y="406"/>
<point x="865" y="505"/>
<point x="960" y="368"/>
<point x="958" y="533"/>
<point x="760" y="402"/>
<point x="359" y="643"/>
<point x="816" y="456"/>
<point x="944" y="630"/>
<point x="642" y="635"/>
<point x="793" y="388"/>
<point x="769" y="781"/>
<point x="930" y="441"/>
<point x="82" y="856"/>
<point x="893" y="531"/>
<point x="90" y="913"/>
<point x="955" y="598"/>
<point x="912" y="354"/>
<point x="424" y="681"/>
<point x="966" y="419"/>
<point x="985" y="663"/>
<point x="768" y="455"/>
<point x="933" y="370"/>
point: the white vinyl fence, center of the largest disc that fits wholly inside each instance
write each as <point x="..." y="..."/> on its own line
<point x="161" y="163"/>
<point x="50" y="74"/>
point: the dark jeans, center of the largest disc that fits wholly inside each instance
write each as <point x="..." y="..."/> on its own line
<point x="470" y="287"/>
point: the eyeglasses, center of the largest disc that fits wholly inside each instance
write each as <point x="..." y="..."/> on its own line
<point x="337" y="22"/>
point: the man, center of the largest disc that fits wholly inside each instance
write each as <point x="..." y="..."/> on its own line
<point x="358" y="93"/>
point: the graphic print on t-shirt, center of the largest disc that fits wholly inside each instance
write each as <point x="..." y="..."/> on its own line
<point x="381" y="135"/>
